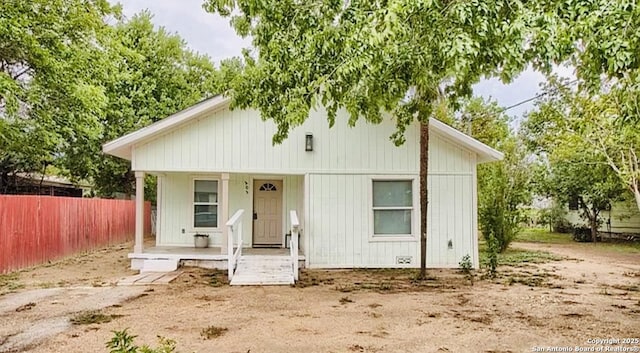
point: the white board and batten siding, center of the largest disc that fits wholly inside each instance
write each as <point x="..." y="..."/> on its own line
<point x="330" y="187"/>
<point x="176" y="210"/>
<point x="625" y="218"/>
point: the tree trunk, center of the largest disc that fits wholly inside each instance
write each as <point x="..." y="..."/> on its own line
<point x="593" y="222"/>
<point x="424" y="193"/>
<point x="636" y="194"/>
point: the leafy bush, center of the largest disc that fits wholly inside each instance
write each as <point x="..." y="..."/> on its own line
<point x="492" y="255"/>
<point x="467" y="267"/>
<point x="123" y="342"/>
<point x="563" y="226"/>
<point x="582" y="234"/>
<point x="502" y="190"/>
<point x="555" y="218"/>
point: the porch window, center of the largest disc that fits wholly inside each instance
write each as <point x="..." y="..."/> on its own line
<point x="392" y="207"/>
<point x="205" y="204"/>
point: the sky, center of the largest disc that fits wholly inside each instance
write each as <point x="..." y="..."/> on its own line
<point x="211" y="34"/>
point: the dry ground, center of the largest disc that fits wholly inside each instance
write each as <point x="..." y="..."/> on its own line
<point x="591" y="293"/>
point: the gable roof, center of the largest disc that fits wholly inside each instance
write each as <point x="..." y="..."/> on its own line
<point x="122" y="147"/>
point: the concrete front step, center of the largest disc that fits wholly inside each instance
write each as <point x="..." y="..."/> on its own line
<point x="263" y="270"/>
<point x="159" y="265"/>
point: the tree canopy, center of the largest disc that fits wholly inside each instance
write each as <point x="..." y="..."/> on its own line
<point x="405" y="57"/>
<point x="370" y="57"/>
<point x="75" y="74"/>
<point x="567" y="132"/>
<point x="51" y="62"/>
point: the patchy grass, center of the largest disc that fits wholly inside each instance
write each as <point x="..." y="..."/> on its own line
<point x="9" y="283"/>
<point x="377" y="280"/>
<point x="619" y="246"/>
<point x="517" y="257"/>
<point x="213" y="332"/>
<point x="310" y="278"/>
<point x="537" y="235"/>
<point x="92" y="317"/>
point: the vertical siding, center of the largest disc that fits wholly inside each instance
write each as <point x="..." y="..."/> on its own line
<point x="625" y="218"/>
<point x="175" y="212"/>
<point x="36" y="229"/>
<point x="339" y="171"/>
<point x="450" y="217"/>
<point x="239" y="141"/>
<point x="177" y="204"/>
<point x="341" y="223"/>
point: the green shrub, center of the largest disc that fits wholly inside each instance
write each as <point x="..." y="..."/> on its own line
<point x="582" y="234"/>
<point x="492" y="255"/>
<point x="467" y="267"/>
<point x="123" y="342"/>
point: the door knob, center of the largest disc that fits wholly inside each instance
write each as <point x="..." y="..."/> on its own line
<point x="255" y="216"/>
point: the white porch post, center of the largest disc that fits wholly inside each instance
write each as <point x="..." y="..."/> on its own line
<point x="137" y="248"/>
<point x="224" y="212"/>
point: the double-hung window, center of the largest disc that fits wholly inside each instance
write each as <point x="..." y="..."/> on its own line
<point x="205" y="203"/>
<point x="392" y="208"/>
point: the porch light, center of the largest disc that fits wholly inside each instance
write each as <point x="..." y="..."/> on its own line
<point x="308" y="142"/>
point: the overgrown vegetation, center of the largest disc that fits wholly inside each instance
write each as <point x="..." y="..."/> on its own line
<point x="123" y="342"/>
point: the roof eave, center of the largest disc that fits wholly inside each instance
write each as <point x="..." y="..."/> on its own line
<point x="485" y="153"/>
<point x="121" y="147"/>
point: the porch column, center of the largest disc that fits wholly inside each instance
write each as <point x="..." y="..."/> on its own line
<point x="137" y="248"/>
<point x="224" y="212"/>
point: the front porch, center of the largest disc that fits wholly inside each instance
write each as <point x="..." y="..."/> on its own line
<point x="242" y="216"/>
<point x="210" y="257"/>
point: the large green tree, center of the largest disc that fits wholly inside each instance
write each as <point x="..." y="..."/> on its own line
<point x="504" y="186"/>
<point x="74" y="74"/>
<point x="153" y="76"/>
<point x="51" y="97"/>
<point x="368" y="57"/>
<point x="560" y="132"/>
<point x="607" y="122"/>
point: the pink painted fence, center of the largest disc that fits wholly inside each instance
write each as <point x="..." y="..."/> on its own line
<point x="36" y="229"/>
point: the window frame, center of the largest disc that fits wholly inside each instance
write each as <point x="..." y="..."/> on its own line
<point x="414" y="208"/>
<point x="194" y="203"/>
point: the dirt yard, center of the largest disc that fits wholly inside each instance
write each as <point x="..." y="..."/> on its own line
<point x="589" y="294"/>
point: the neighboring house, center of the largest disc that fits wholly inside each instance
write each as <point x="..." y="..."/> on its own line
<point x="38" y="184"/>
<point x="355" y="193"/>
<point x="622" y="219"/>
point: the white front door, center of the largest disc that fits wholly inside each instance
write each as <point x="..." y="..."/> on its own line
<point x="267" y="212"/>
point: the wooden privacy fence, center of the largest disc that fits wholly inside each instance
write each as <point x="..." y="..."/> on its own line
<point x="36" y="229"/>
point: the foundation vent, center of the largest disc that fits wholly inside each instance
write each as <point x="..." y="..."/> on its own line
<point x="404" y="260"/>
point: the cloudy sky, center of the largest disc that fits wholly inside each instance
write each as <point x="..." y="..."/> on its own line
<point x="211" y="34"/>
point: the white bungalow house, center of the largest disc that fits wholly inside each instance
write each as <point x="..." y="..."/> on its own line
<point x="350" y="194"/>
